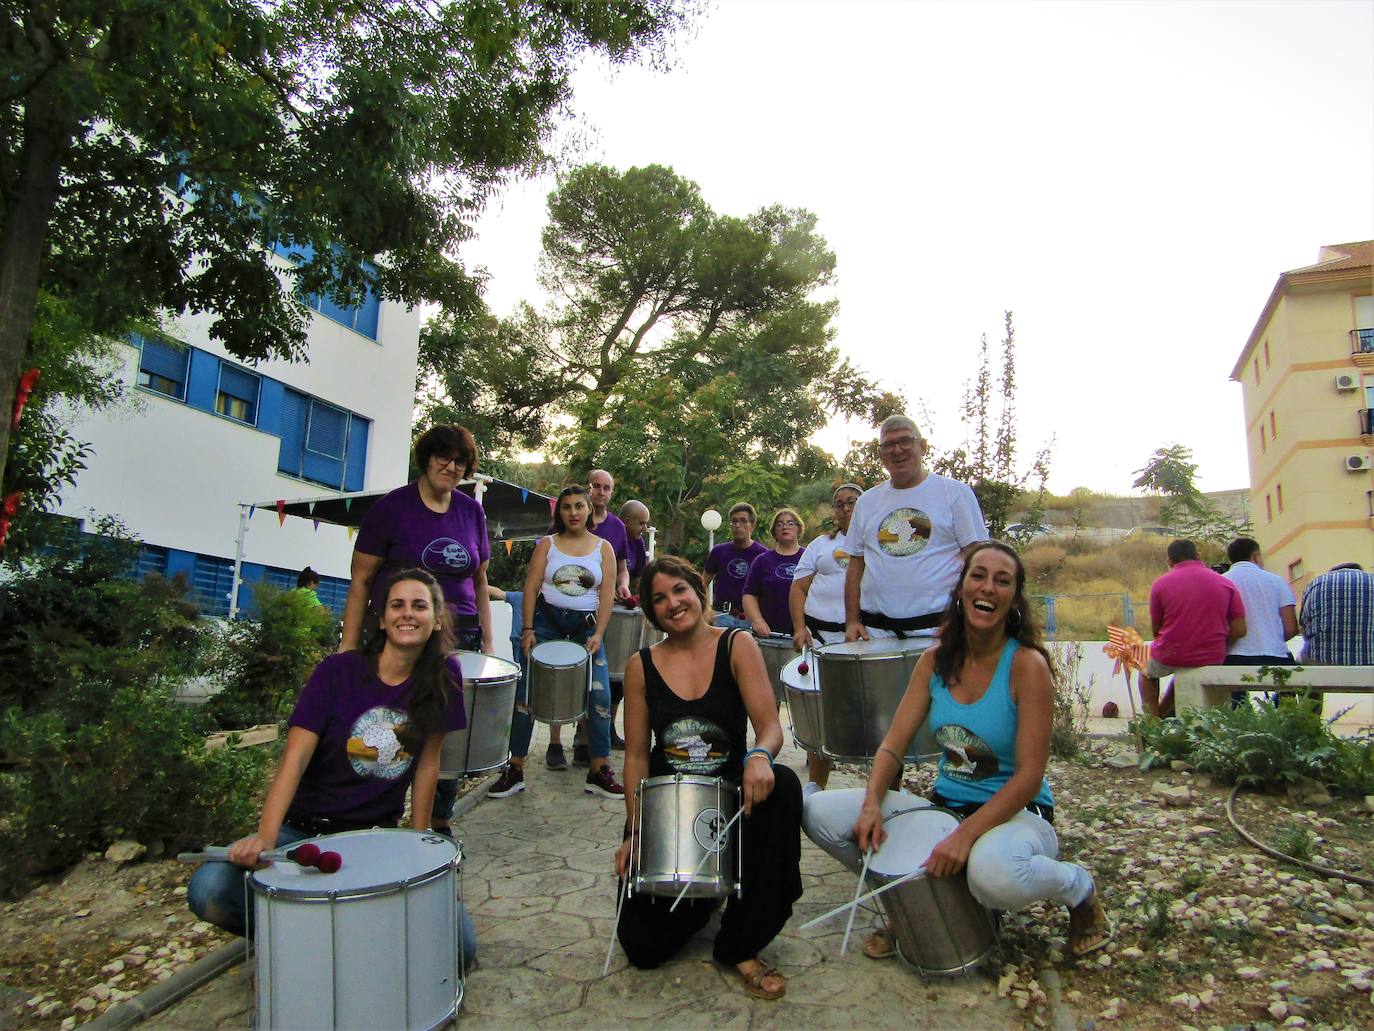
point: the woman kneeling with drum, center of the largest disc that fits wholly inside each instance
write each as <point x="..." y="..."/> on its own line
<point x="695" y="691"/>
<point x="366" y="725"/>
<point x="987" y="689"/>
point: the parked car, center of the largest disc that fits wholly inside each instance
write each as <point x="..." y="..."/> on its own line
<point x="1027" y="531"/>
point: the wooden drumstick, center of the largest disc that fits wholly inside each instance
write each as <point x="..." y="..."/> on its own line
<point x="918" y="872"/>
<point x="702" y="862"/>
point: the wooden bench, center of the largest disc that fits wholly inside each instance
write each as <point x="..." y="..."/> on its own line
<point x="1206" y="687"/>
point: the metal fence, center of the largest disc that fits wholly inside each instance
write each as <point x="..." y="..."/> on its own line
<point x="1085" y="617"/>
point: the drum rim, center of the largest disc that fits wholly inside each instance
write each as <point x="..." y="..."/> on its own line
<point x="832" y="650"/>
<point x="453" y="862"/>
<point x="512" y="673"/>
<point x="695" y="779"/>
<point x="534" y="659"/>
<point x="931" y="808"/>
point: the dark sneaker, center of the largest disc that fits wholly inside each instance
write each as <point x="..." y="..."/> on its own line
<point x="617" y="742"/>
<point x="554" y="758"/>
<point x="511" y="782"/>
<point x="602" y="782"/>
<point x="580" y="756"/>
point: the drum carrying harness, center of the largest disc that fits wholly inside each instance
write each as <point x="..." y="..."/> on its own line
<point x="901" y="625"/>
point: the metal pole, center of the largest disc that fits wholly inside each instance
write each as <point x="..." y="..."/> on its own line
<point x="238" y="561"/>
<point x="710" y="546"/>
<point x="653" y="542"/>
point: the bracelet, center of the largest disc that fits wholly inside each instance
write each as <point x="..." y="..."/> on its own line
<point x="884" y="748"/>
<point x="759" y="751"/>
<point x="527" y="630"/>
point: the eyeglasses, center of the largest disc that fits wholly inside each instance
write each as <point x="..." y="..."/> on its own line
<point x="786" y="522"/>
<point x="845" y="504"/>
<point x="900" y="444"/>
<point x="457" y="461"/>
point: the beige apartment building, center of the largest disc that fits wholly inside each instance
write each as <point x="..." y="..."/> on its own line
<point x="1307" y="376"/>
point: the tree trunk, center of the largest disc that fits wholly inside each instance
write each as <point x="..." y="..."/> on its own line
<point x="23" y="239"/>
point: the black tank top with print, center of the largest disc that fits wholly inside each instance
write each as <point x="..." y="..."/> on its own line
<point x="705" y="737"/>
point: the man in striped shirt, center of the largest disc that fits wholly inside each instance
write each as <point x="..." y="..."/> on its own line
<point x="1338" y="617"/>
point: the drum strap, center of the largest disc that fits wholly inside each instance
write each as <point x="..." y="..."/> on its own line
<point x="314" y="826"/>
<point x="813" y="624"/>
<point x="966" y="809"/>
<point x="904" y="623"/>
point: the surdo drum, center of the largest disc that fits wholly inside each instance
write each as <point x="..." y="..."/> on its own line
<point x="777" y="650"/>
<point x="803" y="697"/>
<point x="862" y="682"/>
<point x="376" y="944"/>
<point x="679" y="822"/>
<point x="938" y="926"/>
<point x="560" y="673"/>
<point x="489" y="699"/>
<point x="624" y="637"/>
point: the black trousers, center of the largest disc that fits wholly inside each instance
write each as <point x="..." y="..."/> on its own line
<point x="770" y="879"/>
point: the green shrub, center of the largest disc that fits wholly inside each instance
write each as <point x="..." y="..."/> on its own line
<point x="266" y="660"/>
<point x="1068" y="734"/>
<point x="1262" y="745"/>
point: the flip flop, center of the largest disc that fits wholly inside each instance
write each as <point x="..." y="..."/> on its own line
<point x="879" y="945"/>
<point x="1091" y="931"/>
<point x="753" y="982"/>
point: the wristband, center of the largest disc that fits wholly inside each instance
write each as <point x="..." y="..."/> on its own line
<point x="759" y="751"/>
<point x="527" y="630"/>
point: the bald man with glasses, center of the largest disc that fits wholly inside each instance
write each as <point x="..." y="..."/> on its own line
<point x="910" y="534"/>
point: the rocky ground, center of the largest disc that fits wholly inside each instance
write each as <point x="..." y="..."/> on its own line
<point x="1211" y="933"/>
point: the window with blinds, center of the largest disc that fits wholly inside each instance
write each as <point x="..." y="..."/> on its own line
<point x="162" y="366"/>
<point x="237" y="395"/>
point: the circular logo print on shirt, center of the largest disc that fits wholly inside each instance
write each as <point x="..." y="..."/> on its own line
<point x="374" y="750"/>
<point x="966" y="756"/>
<point x="738" y="568"/>
<point x="709" y="829"/>
<point x="445" y="555"/>
<point x="573" y="580"/>
<point x="693" y="745"/>
<point x="841" y="558"/>
<point x="904" y="532"/>
<point x="786" y="571"/>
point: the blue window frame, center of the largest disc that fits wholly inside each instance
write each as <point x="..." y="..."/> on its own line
<point x="162" y="366"/>
<point x="322" y="442"/>
<point x="211" y="579"/>
<point x="361" y="318"/>
<point x="152" y="561"/>
<point x="237" y="396"/>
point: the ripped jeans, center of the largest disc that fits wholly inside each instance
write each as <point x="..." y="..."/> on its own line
<point x="554" y="624"/>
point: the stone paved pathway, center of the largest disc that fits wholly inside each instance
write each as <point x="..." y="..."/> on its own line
<point x="539" y="882"/>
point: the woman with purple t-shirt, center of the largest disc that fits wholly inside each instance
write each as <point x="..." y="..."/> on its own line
<point x="367" y="725"/>
<point x="768" y="586"/>
<point x="428" y="524"/>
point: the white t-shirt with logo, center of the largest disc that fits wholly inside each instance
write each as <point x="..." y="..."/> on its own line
<point x="910" y="540"/>
<point x="826" y="560"/>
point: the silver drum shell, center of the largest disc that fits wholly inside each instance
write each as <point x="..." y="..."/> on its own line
<point x="803" y="698"/>
<point x="488" y="700"/>
<point x="862" y="683"/>
<point x="624" y="637"/>
<point x="675" y="817"/>
<point x="558" y="682"/>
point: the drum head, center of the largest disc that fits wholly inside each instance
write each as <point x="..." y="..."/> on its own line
<point x="559" y="654"/>
<point x="874" y="648"/>
<point x="910" y="838"/>
<point x="793" y="677"/>
<point x="775" y="641"/>
<point x="480" y="669"/>
<point x="371" y="860"/>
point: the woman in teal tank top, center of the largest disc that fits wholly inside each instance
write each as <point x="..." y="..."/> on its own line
<point x="988" y="692"/>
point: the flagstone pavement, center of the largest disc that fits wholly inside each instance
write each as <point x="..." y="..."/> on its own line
<point x="538" y="878"/>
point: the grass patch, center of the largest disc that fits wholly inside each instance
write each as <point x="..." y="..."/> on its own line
<point x="1295" y="840"/>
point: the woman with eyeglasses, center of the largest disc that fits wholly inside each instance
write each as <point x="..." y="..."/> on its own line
<point x="769" y="583"/>
<point x="428" y="524"/>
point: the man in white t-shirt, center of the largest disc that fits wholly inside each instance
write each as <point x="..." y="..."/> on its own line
<point x="1271" y="612"/>
<point x="910" y="534"/>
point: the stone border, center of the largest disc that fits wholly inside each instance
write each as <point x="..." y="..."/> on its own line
<point x="166" y="993"/>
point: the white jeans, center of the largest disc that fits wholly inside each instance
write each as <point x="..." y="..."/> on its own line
<point x="1009" y="867"/>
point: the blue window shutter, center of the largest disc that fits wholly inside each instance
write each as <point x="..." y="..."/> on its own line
<point x="270" y="405"/>
<point x="237" y="383"/>
<point x="211" y="580"/>
<point x="327" y="434"/>
<point x="204" y="380"/>
<point x="337" y="312"/>
<point x="165" y="360"/>
<point x="355" y="475"/>
<point x="152" y="560"/>
<point x="291" y="425"/>
<point x="367" y="317"/>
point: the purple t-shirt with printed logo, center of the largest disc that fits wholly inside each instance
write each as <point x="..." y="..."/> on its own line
<point x="359" y="771"/>
<point x="730" y="567"/>
<point x="770" y="581"/>
<point x="612" y="531"/>
<point x="402" y="530"/>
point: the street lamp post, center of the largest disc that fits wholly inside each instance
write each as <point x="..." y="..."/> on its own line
<point x="710" y="521"/>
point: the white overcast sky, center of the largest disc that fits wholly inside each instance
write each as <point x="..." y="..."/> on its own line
<point x="1129" y="179"/>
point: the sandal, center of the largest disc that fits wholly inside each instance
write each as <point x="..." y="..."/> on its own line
<point x="1089" y="927"/>
<point x="879" y="945"/>
<point x="753" y="982"/>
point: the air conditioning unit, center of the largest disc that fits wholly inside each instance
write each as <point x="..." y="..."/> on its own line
<point x="1346" y="382"/>
<point x="1359" y="464"/>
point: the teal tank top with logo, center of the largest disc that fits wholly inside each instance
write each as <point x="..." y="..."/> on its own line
<point x="978" y="741"/>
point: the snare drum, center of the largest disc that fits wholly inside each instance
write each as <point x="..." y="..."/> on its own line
<point x="862" y="682"/>
<point x="777" y="651"/>
<point x="623" y="638"/>
<point x="560" y="673"/>
<point x="679" y="822"/>
<point x="803" y="697"/>
<point x="937" y="924"/>
<point x="376" y="944"/>
<point x="488" y="699"/>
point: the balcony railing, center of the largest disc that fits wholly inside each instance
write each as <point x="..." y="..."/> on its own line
<point x="1367" y="421"/>
<point x="1362" y="341"/>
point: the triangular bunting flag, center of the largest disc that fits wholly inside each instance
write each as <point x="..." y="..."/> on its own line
<point x="348" y="503"/>
<point x="251" y="510"/>
<point x="350" y="531"/>
<point x="507" y="544"/>
<point x="524" y="495"/>
<point x="553" y="504"/>
<point x="317" y="525"/>
<point x="310" y="508"/>
<point x="281" y="511"/>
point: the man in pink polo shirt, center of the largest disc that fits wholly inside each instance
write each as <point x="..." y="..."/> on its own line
<point x="1194" y="614"/>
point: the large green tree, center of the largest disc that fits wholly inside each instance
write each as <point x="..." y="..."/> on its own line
<point x="686" y="350"/>
<point x="1188" y="512"/>
<point x="150" y="149"/>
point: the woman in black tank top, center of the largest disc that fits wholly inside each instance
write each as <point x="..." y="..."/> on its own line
<point x="693" y="694"/>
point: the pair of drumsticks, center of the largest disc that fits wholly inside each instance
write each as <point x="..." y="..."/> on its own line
<point x="308" y="854"/>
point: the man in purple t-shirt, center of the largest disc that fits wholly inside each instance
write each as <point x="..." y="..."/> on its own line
<point x="635" y="516"/>
<point x="727" y="567"/>
<point x="1194" y="614"/>
<point x="607" y="525"/>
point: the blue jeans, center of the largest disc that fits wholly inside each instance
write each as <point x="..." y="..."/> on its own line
<point x="217" y="894"/>
<point x="467" y="639"/>
<point x="729" y="622"/>
<point x="553" y="624"/>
